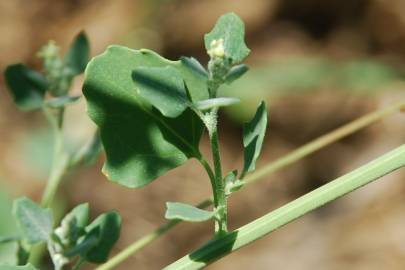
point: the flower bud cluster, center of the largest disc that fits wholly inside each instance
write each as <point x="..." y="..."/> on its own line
<point x="58" y="76"/>
<point x="64" y="237"/>
<point x="218" y="66"/>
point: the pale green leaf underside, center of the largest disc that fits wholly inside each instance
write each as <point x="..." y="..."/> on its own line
<point x="163" y="87"/>
<point x="140" y="143"/>
<point x="253" y="135"/>
<point x="186" y="212"/>
<point x="34" y="222"/>
<point x="81" y="212"/>
<point x="216" y="103"/>
<point x="231" y="29"/>
<point x="235" y="73"/>
<point x="61" y="101"/>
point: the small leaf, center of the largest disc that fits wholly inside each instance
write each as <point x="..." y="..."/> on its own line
<point x="236" y="185"/>
<point x="77" y="57"/>
<point x="8" y="239"/>
<point x="229" y="180"/>
<point x="61" y="101"/>
<point x="253" y="135"/>
<point x="81" y="212"/>
<point x="231" y="29"/>
<point x="108" y="226"/>
<point x="236" y="72"/>
<point x="34" y="222"/>
<point x="193" y="64"/>
<point x="89" y="241"/>
<point x="216" y="103"/>
<point x="187" y="212"/>
<point x="163" y="87"/>
<point x="26" y="86"/>
<point x="232" y="184"/>
<point x="21" y="267"/>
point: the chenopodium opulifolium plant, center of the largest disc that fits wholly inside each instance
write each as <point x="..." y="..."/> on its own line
<point x="74" y="240"/>
<point x="152" y="111"/>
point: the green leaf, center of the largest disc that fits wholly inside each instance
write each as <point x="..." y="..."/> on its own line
<point x="193" y="64"/>
<point x="77" y="57"/>
<point x="81" y="212"/>
<point x="253" y="135"/>
<point x="231" y="29"/>
<point x="34" y="222"/>
<point x="163" y="87"/>
<point x="87" y="242"/>
<point x="26" y="86"/>
<point x="232" y="184"/>
<point x="216" y="103"/>
<point x="61" y="101"/>
<point x="107" y="226"/>
<point x="21" y="267"/>
<point x="140" y="143"/>
<point x="236" y="72"/>
<point x="187" y="212"/>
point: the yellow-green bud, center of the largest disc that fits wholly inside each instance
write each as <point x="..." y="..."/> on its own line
<point x="217" y="49"/>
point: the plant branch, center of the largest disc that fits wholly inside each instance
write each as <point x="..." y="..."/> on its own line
<point x="60" y="158"/>
<point x="220" y="247"/>
<point x="272" y="167"/>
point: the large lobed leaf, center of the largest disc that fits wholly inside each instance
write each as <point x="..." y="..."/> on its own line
<point x="231" y="29"/>
<point x="140" y="143"/>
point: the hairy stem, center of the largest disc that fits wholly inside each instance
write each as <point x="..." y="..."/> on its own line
<point x="272" y="167"/>
<point x="221" y="246"/>
<point x="221" y="225"/>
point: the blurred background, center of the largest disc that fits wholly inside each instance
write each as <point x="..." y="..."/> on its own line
<point x="318" y="64"/>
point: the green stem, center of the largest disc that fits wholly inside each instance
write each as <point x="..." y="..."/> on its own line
<point x="272" y="167"/>
<point x="60" y="159"/>
<point x="211" y="175"/>
<point x="221" y="202"/>
<point x="220" y="247"/>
